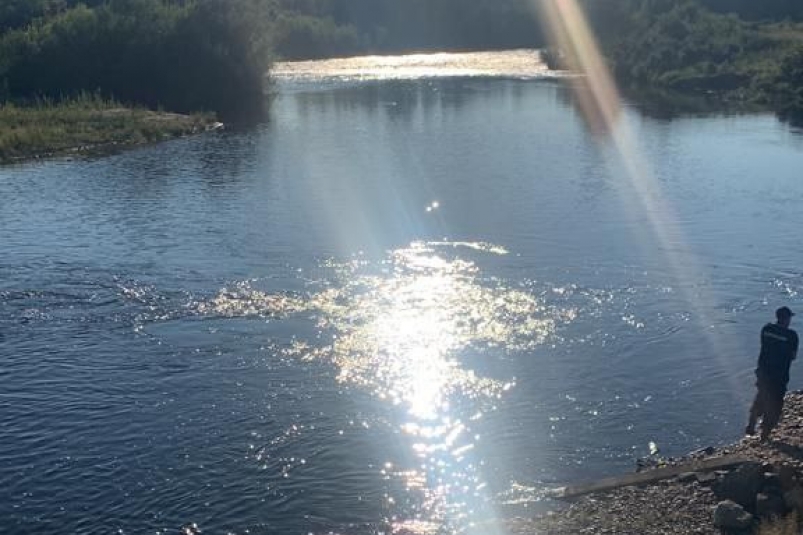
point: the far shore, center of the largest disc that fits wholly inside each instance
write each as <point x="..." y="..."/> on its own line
<point x="87" y="126"/>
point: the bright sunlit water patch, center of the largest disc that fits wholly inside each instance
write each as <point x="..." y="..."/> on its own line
<point x="411" y="330"/>
<point x="519" y="64"/>
<point x="241" y="300"/>
<point x="415" y="331"/>
<point x="401" y="331"/>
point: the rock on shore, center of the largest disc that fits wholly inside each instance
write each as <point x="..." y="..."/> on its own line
<point x="768" y="485"/>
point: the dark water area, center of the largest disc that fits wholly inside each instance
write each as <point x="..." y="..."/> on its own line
<point x="402" y="306"/>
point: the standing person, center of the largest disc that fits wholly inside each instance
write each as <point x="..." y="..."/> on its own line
<point x="778" y="350"/>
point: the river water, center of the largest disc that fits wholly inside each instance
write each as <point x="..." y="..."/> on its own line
<point x="421" y="295"/>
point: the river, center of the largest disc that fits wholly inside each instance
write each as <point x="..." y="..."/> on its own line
<point x="421" y="295"/>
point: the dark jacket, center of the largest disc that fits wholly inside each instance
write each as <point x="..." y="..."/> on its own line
<point x="778" y="350"/>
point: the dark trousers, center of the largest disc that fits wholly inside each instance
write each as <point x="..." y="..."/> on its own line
<point x="768" y="406"/>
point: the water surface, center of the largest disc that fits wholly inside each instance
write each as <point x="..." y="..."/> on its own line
<point x="408" y="304"/>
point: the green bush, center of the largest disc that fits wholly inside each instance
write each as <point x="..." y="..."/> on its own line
<point x="305" y="37"/>
<point x="181" y="56"/>
<point x="788" y="87"/>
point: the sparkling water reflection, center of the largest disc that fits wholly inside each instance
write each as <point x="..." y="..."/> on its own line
<point x="399" y="331"/>
<point x="521" y="64"/>
<point x="189" y="334"/>
<point x="401" y="336"/>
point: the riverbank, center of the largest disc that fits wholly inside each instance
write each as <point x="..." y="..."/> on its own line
<point x="767" y="483"/>
<point x="687" y="49"/>
<point x="87" y="125"/>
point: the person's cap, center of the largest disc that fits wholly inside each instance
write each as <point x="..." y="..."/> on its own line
<point x="784" y="312"/>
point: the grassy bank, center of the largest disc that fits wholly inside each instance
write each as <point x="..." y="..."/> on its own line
<point x="86" y="124"/>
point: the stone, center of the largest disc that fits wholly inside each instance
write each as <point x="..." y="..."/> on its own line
<point x="707" y="479"/>
<point x="730" y="515"/>
<point x="770" y="505"/>
<point x="687" y="477"/>
<point x="794" y="424"/>
<point x="772" y="483"/>
<point x="787" y="475"/>
<point x="741" y="485"/>
<point x="794" y="498"/>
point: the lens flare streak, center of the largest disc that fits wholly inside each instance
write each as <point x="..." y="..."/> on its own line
<point x="600" y="103"/>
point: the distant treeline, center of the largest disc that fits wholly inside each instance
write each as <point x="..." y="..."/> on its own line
<point x="756" y="10"/>
<point x="746" y="50"/>
<point x="192" y="55"/>
<point x="743" y="50"/>
<point x="317" y="28"/>
<point x="182" y="55"/>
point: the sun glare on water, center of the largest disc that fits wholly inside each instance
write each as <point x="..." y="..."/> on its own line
<point x="401" y="330"/>
<point x="519" y="64"/>
<point x="402" y="334"/>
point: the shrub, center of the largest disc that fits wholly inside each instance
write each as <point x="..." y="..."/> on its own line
<point x="182" y="56"/>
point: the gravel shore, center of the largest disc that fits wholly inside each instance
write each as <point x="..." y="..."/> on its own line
<point x="680" y="505"/>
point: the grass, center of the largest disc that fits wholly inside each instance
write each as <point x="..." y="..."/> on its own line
<point x="85" y="123"/>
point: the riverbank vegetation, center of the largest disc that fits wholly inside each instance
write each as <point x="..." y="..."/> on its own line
<point x="182" y="56"/>
<point x="743" y="52"/>
<point x="318" y="28"/>
<point x="188" y="56"/>
<point x="748" y="52"/>
<point x="132" y="56"/>
<point x="86" y="123"/>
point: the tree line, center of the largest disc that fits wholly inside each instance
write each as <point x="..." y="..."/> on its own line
<point x="742" y="50"/>
<point x="192" y="55"/>
<point x="315" y="28"/>
<point x="182" y="55"/>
